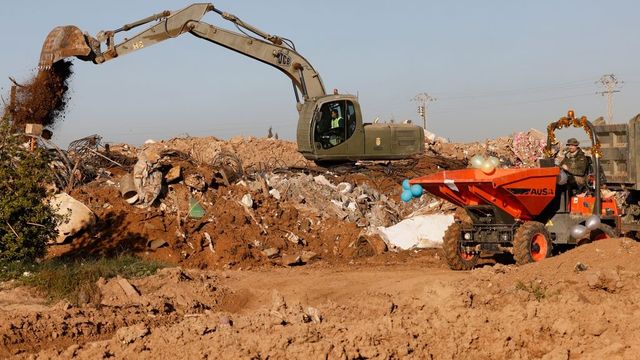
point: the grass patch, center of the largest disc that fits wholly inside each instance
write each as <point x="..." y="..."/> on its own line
<point x="75" y="280"/>
<point x="538" y="291"/>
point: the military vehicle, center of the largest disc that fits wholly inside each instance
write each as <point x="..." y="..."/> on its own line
<point x="348" y="138"/>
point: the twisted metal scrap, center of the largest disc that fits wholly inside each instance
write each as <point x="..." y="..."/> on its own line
<point x="84" y="145"/>
<point x="571" y="121"/>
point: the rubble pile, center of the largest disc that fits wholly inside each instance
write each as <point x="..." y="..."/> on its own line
<point x="206" y="202"/>
<point x="522" y="149"/>
<point x="255" y="153"/>
<point x="361" y="204"/>
<point x="176" y="209"/>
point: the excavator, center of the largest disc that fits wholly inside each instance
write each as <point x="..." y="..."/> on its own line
<point x="330" y="126"/>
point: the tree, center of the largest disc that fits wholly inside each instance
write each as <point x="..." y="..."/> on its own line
<point x="27" y="222"/>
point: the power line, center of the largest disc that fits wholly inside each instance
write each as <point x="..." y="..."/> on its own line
<point x="492" y="106"/>
<point x="611" y="85"/>
<point x="569" y="85"/>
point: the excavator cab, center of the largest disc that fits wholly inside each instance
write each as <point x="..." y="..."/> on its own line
<point x="334" y="123"/>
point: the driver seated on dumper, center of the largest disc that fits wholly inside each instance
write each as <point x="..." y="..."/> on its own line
<point x="575" y="164"/>
<point x="337" y="128"/>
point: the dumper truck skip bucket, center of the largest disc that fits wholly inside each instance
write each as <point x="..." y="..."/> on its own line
<point x="521" y="193"/>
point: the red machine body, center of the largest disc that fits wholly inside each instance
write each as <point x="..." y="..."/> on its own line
<point x="522" y="193"/>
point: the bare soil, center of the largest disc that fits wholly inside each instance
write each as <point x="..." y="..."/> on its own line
<point x="404" y="305"/>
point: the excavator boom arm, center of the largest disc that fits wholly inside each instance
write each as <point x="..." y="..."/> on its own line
<point x="69" y="41"/>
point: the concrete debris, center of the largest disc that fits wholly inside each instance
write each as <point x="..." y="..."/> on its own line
<point x="247" y="201"/>
<point x="130" y="334"/>
<point x="581" y="267"/>
<point x="271" y="252"/>
<point x="432" y="138"/>
<point x="156" y="244"/>
<point x="528" y="147"/>
<point x="295" y="239"/>
<point x="522" y="149"/>
<point x="357" y="204"/>
<point x="209" y="242"/>
<point x="275" y="193"/>
<point x="291" y="260"/>
<point x="321" y="180"/>
<point x="225" y="321"/>
<point x="128" y="288"/>
<point x="308" y="256"/>
<point x="423" y="231"/>
<point x="344" y="188"/>
<point x="75" y="215"/>
<point x="173" y="175"/>
<point x="147" y="178"/>
<point x="313" y="315"/>
<point x="196" y="182"/>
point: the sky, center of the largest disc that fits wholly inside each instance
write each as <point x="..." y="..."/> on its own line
<point x="495" y="67"/>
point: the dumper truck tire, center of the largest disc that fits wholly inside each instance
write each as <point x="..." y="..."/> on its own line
<point x="456" y="258"/>
<point x="531" y="243"/>
<point x="603" y="231"/>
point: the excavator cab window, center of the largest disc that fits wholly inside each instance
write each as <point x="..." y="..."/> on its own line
<point x="334" y="123"/>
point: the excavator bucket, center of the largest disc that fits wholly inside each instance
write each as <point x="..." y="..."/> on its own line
<point x="63" y="42"/>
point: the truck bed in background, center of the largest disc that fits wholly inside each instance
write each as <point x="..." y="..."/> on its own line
<point x="620" y="148"/>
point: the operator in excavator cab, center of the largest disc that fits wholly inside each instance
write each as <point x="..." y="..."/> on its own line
<point x="337" y="127"/>
<point x="576" y="164"/>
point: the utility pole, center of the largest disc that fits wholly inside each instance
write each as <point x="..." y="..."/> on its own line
<point x="423" y="100"/>
<point x="611" y="85"/>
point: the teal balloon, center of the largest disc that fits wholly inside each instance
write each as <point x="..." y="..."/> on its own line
<point x="416" y="190"/>
<point x="406" y="196"/>
<point x="406" y="185"/>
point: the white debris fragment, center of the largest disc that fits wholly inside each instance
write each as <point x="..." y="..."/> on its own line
<point x="321" y="180"/>
<point x="247" y="201"/>
<point x="421" y="231"/>
<point x="275" y="193"/>
<point x="344" y="188"/>
<point x="75" y="216"/>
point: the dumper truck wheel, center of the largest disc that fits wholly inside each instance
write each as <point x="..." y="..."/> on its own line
<point x="603" y="231"/>
<point x="457" y="259"/>
<point x="532" y="242"/>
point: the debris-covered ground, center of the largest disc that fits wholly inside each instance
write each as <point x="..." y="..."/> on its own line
<point x="209" y="203"/>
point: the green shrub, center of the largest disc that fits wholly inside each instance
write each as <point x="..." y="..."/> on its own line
<point x="27" y="223"/>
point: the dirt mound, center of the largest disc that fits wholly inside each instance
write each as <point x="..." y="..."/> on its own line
<point x="43" y="99"/>
<point x="579" y="304"/>
<point x="254" y="153"/>
<point x="161" y="299"/>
